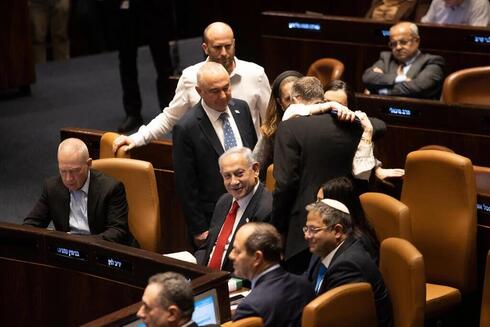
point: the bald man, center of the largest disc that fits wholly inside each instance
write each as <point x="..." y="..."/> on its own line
<point x="405" y="71"/>
<point x="81" y="200"/>
<point x="248" y="82"/>
<point x="202" y="135"/>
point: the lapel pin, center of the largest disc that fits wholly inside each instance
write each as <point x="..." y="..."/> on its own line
<point x="247" y="220"/>
<point x="236" y="111"/>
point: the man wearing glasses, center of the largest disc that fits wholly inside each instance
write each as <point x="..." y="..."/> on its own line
<point x="338" y="258"/>
<point x="405" y="71"/>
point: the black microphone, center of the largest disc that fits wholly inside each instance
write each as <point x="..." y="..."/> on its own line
<point x="334" y="112"/>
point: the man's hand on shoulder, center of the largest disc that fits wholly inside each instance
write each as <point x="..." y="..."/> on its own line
<point x="122" y="141"/>
<point x="378" y="70"/>
<point x="199" y="239"/>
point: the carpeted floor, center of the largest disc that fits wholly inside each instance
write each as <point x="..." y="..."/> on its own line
<point x="84" y="92"/>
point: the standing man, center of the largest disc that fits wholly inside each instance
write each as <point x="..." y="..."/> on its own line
<point x="150" y="21"/>
<point x="246" y="200"/>
<point x="308" y="151"/>
<point x="81" y="200"/>
<point x="168" y="302"/>
<point x="339" y="258"/>
<point x="248" y="81"/>
<point x="277" y="296"/>
<point x="211" y="127"/>
<point x="459" y="12"/>
<point x="405" y="71"/>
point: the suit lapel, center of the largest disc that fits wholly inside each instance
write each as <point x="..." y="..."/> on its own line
<point x="208" y="130"/>
<point x="416" y="66"/>
<point x="236" y="111"/>
<point x="65" y="202"/>
<point x="92" y="199"/>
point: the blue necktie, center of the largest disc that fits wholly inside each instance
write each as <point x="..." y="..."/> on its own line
<point x="229" y="137"/>
<point x="319" y="279"/>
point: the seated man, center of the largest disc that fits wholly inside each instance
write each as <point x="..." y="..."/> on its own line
<point x="81" y="200"/>
<point x="277" y="296"/>
<point x="459" y="12"/>
<point x="246" y="200"/>
<point x="339" y="258"/>
<point x="405" y="71"/>
<point x="167" y="301"/>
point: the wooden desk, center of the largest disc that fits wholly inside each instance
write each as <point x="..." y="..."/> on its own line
<point x="294" y="41"/>
<point x="50" y="278"/>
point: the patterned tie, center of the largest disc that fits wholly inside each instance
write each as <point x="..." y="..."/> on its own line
<point x="224" y="235"/>
<point x="230" y="140"/>
<point x="319" y="279"/>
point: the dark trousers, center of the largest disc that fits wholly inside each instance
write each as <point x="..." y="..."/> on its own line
<point x="146" y="21"/>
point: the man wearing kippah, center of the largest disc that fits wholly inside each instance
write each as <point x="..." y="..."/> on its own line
<point x="338" y="258"/>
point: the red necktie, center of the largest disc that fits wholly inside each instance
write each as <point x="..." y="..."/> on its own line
<point x="224" y="234"/>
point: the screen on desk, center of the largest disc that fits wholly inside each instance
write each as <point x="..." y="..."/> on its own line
<point x="206" y="310"/>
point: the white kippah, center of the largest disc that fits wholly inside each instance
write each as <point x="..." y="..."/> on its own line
<point x="336" y="205"/>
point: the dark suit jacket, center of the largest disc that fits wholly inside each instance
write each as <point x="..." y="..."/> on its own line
<point x="308" y="152"/>
<point x="107" y="209"/>
<point x="196" y="149"/>
<point x="278" y="298"/>
<point x="426" y="73"/>
<point x="258" y="209"/>
<point x="352" y="264"/>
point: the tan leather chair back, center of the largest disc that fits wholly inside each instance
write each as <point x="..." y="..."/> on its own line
<point x="402" y="267"/>
<point x="326" y="70"/>
<point x="346" y="305"/>
<point x="106" y="147"/>
<point x="436" y="147"/>
<point x="270" y="181"/>
<point x="246" y="322"/>
<point x="140" y="183"/>
<point x="469" y="86"/>
<point x="482" y="178"/>
<point x="388" y="216"/>
<point x="439" y="189"/>
<point x="485" y="301"/>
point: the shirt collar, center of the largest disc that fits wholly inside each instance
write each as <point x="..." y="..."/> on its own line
<point x="84" y="188"/>
<point x="238" y="70"/>
<point x="190" y="322"/>
<point x="214" y="114"/>
<point x="256" y="278"/>
<point x="328" y="259"/>
<point x="411" y="61"/>
<point x="243" y="202"/>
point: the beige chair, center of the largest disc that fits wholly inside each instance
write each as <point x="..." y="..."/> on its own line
<point x="326" y="70"/>
<point x="402" y="267"/>
<point x="270" y="181"/>
<point x="346" y="305"/>
<point x="436" y="147"/>
<point x="139" y="181"/>
<point x="106" y="147"/>
<point x="246" y="322"/>
<point x="388" y="216"/>
<point x="439" y="190"/>
<point x="468" y="86"/>
<point x="485" y="301"/>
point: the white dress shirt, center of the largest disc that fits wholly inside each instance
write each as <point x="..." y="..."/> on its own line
<point x="217" y="123"/>
<point x="248" y="83"/>
<point x="78" y="209"/>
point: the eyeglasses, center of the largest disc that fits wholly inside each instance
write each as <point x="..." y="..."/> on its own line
<point x="312" y="230"/>
<point x="394" y="44"/>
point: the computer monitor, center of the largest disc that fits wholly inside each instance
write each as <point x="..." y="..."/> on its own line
<point x="206" y="310"/>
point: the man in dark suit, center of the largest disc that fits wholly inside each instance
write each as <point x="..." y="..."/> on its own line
<point x="339" y="258"/>
<point x="277" y="296"/>
<point x="308" y="151"/>
<point x="80" y="200"/>
<point x="244" y="191"/>
<point x="405" y="71"/>
<point x="168" y="301"/>
<point x="215" y="124"/>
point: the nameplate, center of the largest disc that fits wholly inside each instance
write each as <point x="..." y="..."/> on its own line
<point x="114" y="262"/>
<point x="480" y="39"/>
<point x="304" y="26"/>
<point x="401" y="112"/>
<point x="483" y="207"/>
<point x="72" y="253"/>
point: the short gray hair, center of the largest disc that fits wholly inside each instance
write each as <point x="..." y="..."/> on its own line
<point x="414" y="30"/>
<point x="308" y="88"/>
<point x="331" y="216"/>
<point x="209" y="67"/>
<point x="244" y="151"/>
<point x="174" y="289"/>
